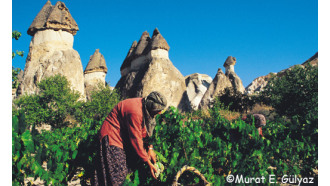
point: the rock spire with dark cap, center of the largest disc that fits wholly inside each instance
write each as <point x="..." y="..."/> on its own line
<point x="229" y="61"/>
<point x="219" y="83"/>
<point x="55" y="17"/>
<point x="96" y="63"/>
<point x="148" y="68"/>
<point x="51" y="50"/>
<point x="158" y="41"/>
<point x="142" y="45"/>
<point x="128" y="59"/>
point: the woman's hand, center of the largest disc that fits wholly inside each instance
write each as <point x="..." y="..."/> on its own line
<point x="151" y="153"/>
<point x="152" y="169"/>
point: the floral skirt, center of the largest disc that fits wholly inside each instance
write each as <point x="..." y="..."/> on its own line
<point x="110" y="165"/>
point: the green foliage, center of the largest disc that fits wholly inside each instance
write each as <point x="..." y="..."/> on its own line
<point x="103" y="99"/>
<point x="15" y="72"/>
<point x="217" y="148"/>
<point x="213" y="145"/>
<point x="64" y="149"/>
<point x="295" y="92"/>
<point x="235" y="100"/>
<point x="68" y="147"/>
<point x="295" y="95"/>
<point x="16" y="35"/>
<point x="22" y="147"/>
<point x="52" y="105"/>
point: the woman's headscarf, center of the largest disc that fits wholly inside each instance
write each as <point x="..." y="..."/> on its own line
<point x="152" y="104"/>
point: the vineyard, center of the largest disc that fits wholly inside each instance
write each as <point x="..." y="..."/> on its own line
<point x="215" y="146"/>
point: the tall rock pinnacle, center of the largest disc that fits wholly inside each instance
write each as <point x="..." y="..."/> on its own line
<point x="51" y="50"/>
<point x="148" y="68"/>
<point x="96" y="63"/>
<point x="158" y="41"/>
<point x="55" y="17"/>
<point x="95" y="73"/>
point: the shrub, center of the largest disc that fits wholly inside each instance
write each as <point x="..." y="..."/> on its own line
<point x="64" y="149"/>
<point x="22" y="147"/>
<point x="52" y="105"/>
<point x="103" y="99"/>
<point x="295" y="92"/>
<point x="235" y="100"/>
<point x="217" y="148"/>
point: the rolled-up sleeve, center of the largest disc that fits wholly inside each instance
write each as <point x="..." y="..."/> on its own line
<point x="135" y="135"/>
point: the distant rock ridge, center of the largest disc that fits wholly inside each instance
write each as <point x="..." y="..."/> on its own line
<point x="51" y="50"/>
<point x="55" y="17"/>
<point x="312" y="60"/>
<point x="259" y="83"/>
<point x="148" y="68"/>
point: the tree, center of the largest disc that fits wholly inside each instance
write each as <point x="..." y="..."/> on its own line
<point x="295" y="93"/>
<point x="103" y="99"/>
<point x="55" y="102"/>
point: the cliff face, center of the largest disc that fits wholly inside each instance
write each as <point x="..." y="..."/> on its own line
<point x="51" y="50"/>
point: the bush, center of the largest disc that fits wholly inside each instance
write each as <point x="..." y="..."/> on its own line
<point x="66" y="148"/>
<point x="22" y="147"/>
<point x="235" y="100"/>
<point x="295" y="93"/>
<point x="213" y="145"/>
<point x="218" y="147"/>
<point x="52" y="105"/>
<point x="103" y="99"/>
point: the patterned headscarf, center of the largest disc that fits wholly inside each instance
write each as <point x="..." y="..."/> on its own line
<point x="260" y="120"/>
<point x="152" y="104"/>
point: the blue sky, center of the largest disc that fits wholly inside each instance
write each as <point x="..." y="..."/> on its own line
<point x="264" y="35"/>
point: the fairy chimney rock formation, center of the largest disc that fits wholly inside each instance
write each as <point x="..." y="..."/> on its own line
<point x="233" y="77"/>
<point x="229" y="63"/>
<point x="51" y="50"/>
<point x="140" y="53"/>
<point x="197" y="85"/>
<point x="55" y="17"/>
<point x="219" y="83"/>
<point x="147" y="68"/>
<point x="95" y="72"/>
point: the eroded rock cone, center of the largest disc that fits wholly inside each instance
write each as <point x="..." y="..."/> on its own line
<point x="51" y="50"/>
<point x="197" y="85"/>
<point x="150" y="69"/>
<point x="95" y="73"/>
<point x="219" y="83"/>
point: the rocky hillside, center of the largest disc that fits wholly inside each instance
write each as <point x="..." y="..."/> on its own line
<point x="260" y="82"/>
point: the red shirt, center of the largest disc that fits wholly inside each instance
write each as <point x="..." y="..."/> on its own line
<point x="124" y="124"/>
